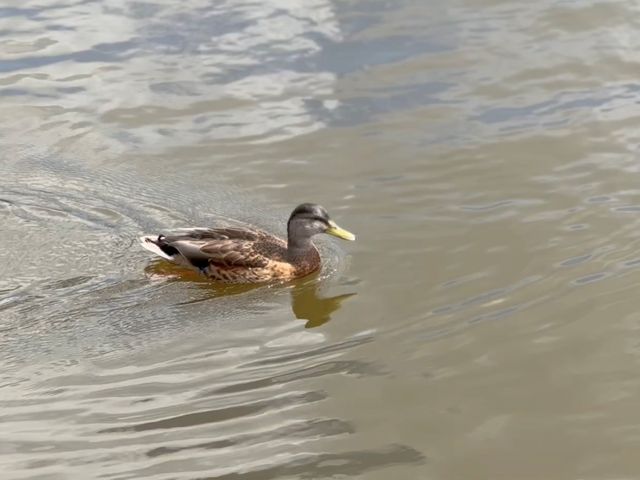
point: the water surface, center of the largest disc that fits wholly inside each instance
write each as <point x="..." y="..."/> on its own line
<point x="483" y="325"/>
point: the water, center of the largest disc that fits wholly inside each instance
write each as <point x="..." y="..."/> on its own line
<point x="483" y="325"/>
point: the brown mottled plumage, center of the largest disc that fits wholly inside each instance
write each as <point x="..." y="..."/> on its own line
<point x="249" y="255"/>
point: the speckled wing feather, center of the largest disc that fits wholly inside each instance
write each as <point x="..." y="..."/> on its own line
<point x="228" y="247"/>
<point x="217" y="234"/>
<point x="234" y="253"/>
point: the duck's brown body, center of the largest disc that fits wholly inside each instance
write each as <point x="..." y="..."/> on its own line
<point x="249" y="255"/>
<point x="234" y="255"/>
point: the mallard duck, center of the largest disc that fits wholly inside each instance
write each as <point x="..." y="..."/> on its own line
<point x="249" y="255"/>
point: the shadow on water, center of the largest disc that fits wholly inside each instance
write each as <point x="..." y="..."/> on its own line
<point x="307" y="303"/>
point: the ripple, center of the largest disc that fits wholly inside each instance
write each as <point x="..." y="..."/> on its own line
<point x="313" y="428"/>
<point x="348" y="463"/>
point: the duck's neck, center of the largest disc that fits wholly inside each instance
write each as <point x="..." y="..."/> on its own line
<point x="299" y="248"/>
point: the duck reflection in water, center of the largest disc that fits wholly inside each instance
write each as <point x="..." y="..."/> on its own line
<point x="307" y="304"/>
<point x="306" y="301"/>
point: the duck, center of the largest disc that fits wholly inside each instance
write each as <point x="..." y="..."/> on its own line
<point x="239" y="255"/>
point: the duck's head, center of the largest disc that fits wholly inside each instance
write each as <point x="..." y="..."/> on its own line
<point x="309" y="219"/>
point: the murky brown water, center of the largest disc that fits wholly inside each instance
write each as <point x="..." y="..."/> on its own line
<point x="484" y="326"/>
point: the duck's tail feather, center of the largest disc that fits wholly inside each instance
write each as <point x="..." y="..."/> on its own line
<point x="156" y="245"/>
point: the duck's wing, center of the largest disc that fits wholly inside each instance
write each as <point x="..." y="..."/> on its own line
<point x="226" y="233"/>
<point x="225" y="247"/>
<point x="235" y="253"/>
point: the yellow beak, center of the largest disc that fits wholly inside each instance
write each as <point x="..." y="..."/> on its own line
<point x="336" y="231"/>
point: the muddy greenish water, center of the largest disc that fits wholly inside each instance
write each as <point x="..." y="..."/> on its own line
<point x="486" y="323"/>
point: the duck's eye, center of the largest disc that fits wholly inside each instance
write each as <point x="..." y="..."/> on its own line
<point x="321" y="220"/>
